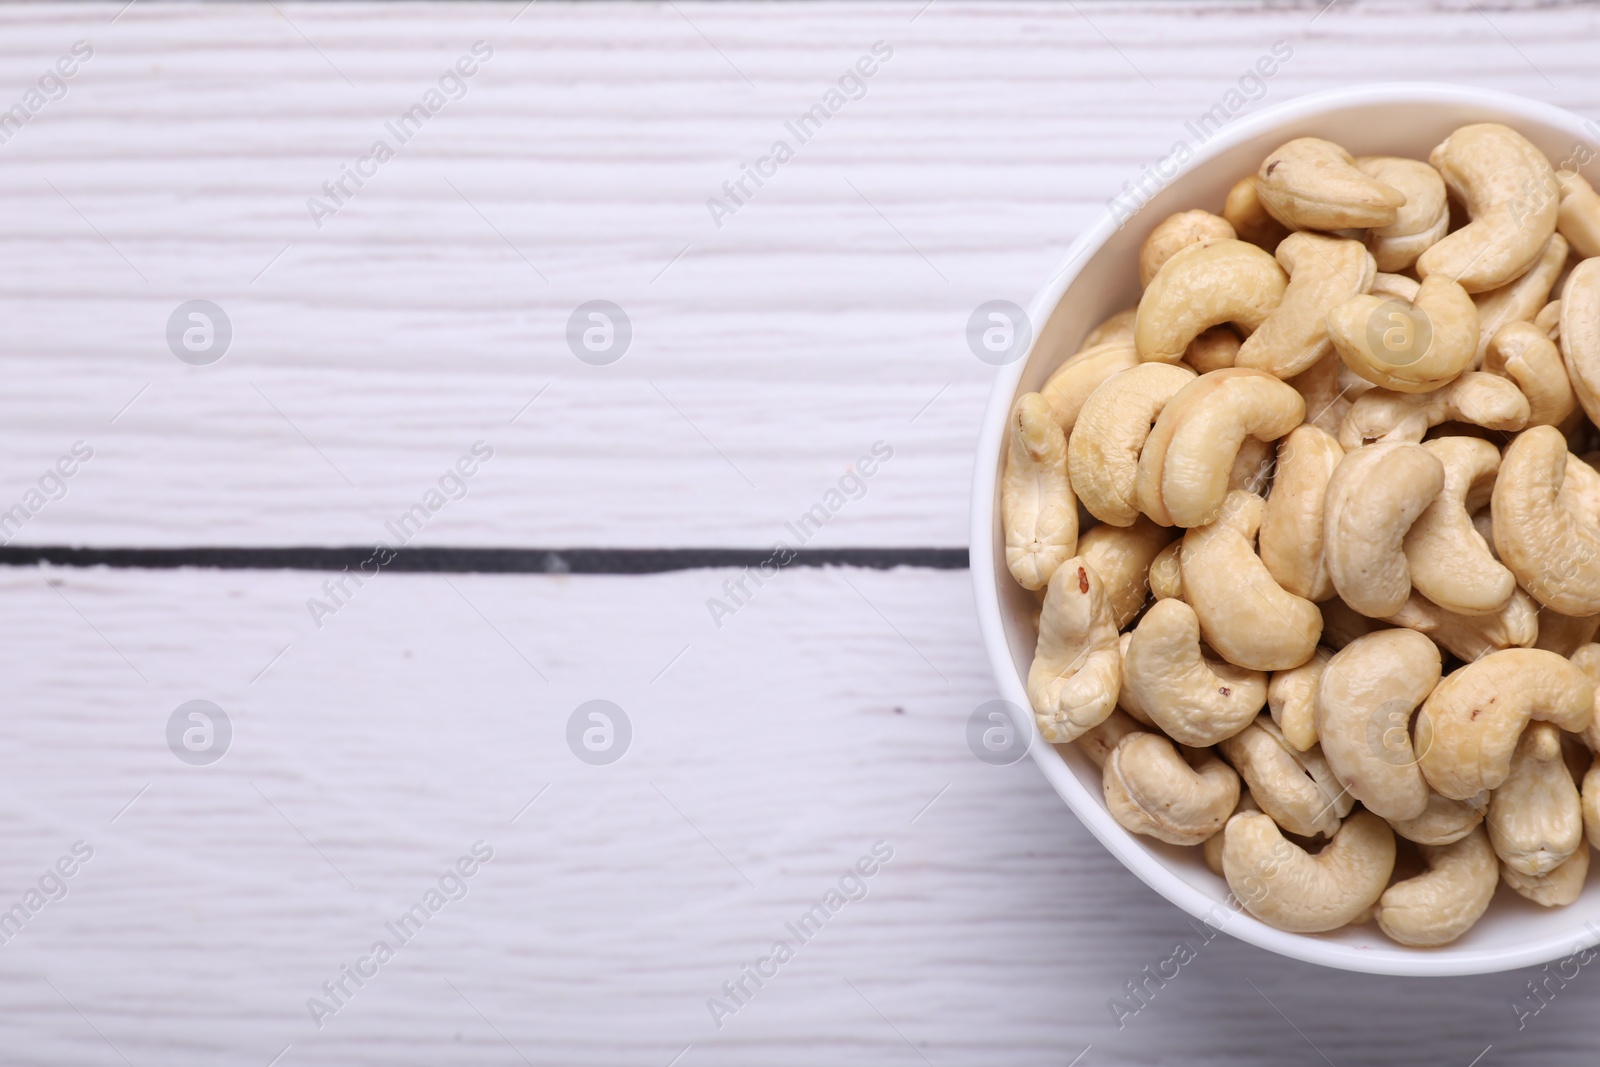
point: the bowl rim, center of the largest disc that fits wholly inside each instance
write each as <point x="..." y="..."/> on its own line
<point x="1154" y="872"/>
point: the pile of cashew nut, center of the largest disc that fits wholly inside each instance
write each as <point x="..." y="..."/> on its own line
<point x="1315" y="533"/>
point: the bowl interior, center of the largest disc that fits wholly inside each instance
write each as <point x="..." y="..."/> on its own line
<point x="1099" y="277"/>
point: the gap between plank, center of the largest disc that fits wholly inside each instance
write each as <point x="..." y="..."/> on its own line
<point x="447" y="560"/>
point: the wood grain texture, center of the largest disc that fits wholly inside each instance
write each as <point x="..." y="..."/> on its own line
<point x="826" y="314"/>
<point x="769" y="754"/>
<point x="409" y="727"/>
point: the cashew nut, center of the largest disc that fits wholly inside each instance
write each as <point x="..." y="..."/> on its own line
<point x="1126" y="699"/>
<point x="1175" y="233"/>
<point x="1591" y="804"/>
<point x="1450" y="562"/>
<point x="1121" y="556"/>
<point x="1521" y="300"/>
<point x="1553" y="550"/>
<point x="1166" y="572"/>
<point x="1118" y="329"/>
<point x="1076" y="380"/>
<point x="1444" y="820"/>
<point x="1036" y="502"/>
<point x="1578" y="217"/>
<point x="1292" y="522"/>
<point x="1421" y="220"/>
<point x="1475" y="397"/>
<point x="1212" y="848"/>
<point x="1522" y="352"/>
<point x="1511" y="196"/>
<point x="1471" y="637"/>
<point x="1396" y="287"/>
<point x="1580" y="334"/>
<point x="1297" y="789"/>
<point x="1151" y="788"/>
<point x="1549" y="320"/>
<point x="1410" y="348"/>
<point x="1587" y="659"/>
<point x="1195" y="701"/>
<point x="1286" y="887"/>
<point x="1353" y="384"/>
<point x="1535" y="816"/>
<point x="1214" y="349"/>
<point x="1312" y="184"/>
<point x="1364" y="707"/>
<point x="1324" y="272"/>
<point x="1252" y="467"/>
<point x="1184" y="467"/>
<point x="1098" y="742"/>
<point x="1103" y="454"/>
<point x="1244" y="613"/>
<point x="1292" y="700"/>
<point x="1440" y="905"/>
<point x="1580" y="490"/>
<point x="1077" y="668"/>
<point x="1205" y="285"/>
<point x="1327" y="398"/>
<point x="1557" y="888"/>
<point x="1373" y="497"/>
<point x="1468" y="728"/>
<point x="1246" y="214"/>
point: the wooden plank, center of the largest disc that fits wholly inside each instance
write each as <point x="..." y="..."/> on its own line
<point x="766" y="759"/>
<point x="826" y="314"/>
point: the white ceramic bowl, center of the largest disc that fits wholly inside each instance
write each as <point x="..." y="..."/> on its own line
<point x="1099" y="276"/>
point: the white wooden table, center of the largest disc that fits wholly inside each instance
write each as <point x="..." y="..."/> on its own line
<point x="430" y="711"/>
